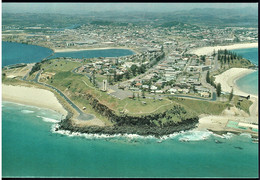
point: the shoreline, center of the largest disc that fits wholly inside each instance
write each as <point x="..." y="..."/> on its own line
<point x="228" y="80"/>
<point x="33" y="97"/>
<point x="208" y="50"/>
<point x="86" y="49"/>
<point x="217" y="123"/>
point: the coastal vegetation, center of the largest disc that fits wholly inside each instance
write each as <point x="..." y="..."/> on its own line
<point x="229" y="59"/>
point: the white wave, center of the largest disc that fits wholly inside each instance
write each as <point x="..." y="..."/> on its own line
<point x="217" y="135"/>
<point x="48" y="119"/>
<point x="194" y="135"/>
<point x="97" y="136"/>
<point x="228" y="135"/>
<point x="246" y="134"/>
<point x="184" y="136"/>
<point x="27" y="111"/>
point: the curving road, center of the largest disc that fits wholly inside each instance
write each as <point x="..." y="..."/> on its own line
<point x="82" y="115"/>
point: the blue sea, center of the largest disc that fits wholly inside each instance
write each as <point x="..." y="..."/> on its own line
<point x="31" y="148"/>
<point x="249" y="83"/>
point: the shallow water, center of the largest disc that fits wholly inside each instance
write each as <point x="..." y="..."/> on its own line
<point x="249" y="83"/>
<point x="32" y="148"/>
<point x="14" y="53"/>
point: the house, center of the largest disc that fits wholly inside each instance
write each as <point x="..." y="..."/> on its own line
<point x="153" y="88"/>
<point x="159" y="91"/>
<point x="145" y="86"/>
<point x="204" y="94"/>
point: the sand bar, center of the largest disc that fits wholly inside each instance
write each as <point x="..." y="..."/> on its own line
<point x="89" y="48"/>
<point x="209" y="50"/>
<point x="32" y="96"/>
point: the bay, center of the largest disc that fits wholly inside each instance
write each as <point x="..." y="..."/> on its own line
<point x="14" y="53"/>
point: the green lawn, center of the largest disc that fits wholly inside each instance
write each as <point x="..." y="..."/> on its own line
<point x="202" y="107"/>
<point x="243" y="105"/>
<point x="57" y="65"/>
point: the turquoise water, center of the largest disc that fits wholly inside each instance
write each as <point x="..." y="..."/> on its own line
<point x="95" y="53"/>
<point x="30" y="148"/>
<point x="14" y="53"/>
<point x="249" y="83"/>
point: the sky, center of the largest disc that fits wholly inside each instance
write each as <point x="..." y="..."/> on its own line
<point x="83" y="7"/>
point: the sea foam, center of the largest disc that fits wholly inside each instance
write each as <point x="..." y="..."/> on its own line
<point x="194" y="135"/>
<point x="27" y="111"/>
<point x="48" y="119"/>
<point x="190" y="135"/>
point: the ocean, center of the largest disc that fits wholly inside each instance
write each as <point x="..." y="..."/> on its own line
<point x="31" y="148"/>
<point x="249" y="83"/>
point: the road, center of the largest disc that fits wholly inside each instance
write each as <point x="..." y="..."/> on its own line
<point x="205" y="84"/>
<point x="82" y="115"/>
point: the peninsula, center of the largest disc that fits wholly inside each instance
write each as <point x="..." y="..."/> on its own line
<point x="172" y="83"/>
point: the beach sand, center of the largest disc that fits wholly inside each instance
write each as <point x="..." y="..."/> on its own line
<point x="209" y="50"/>
<point x="32" y="96"/>
<point x="228" y="80"/>
<point x="89" y="48"/>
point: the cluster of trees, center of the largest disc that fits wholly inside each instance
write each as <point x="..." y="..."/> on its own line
<point x="225" y="56"/>
<point x="35" y="68"/>
<point x="218" y="88"/>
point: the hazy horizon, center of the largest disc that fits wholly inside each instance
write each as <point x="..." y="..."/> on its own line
<point x="70" y="8"/>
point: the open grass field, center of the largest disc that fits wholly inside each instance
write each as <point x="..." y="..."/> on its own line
<point x="202" y="107"/>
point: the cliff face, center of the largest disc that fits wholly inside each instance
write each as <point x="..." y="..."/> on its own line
<point x="142" y="125"/>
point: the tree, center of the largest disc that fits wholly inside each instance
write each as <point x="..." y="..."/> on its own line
<point x="207" y="77"/>
<point x="115" y="76"/>
<point x="214" y="53"/>
<point x="134" y="69"/>
<point x="203" y="58"/>
<point x="218" y="89"/>
<point x="230" y="95"/>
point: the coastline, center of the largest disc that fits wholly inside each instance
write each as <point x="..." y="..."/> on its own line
<point x="32" y="96"/>
<point x="209" y="49"/>
<point x="89" y="48"/>
<point x="228" y="80"/>
<point x="217" y="124"/>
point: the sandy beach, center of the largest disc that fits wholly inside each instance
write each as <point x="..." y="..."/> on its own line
<point x="209" y="50"/>
<point x="32" y="96"/>
<point x="85" y="49"/>
<point x="228" y="80"/>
